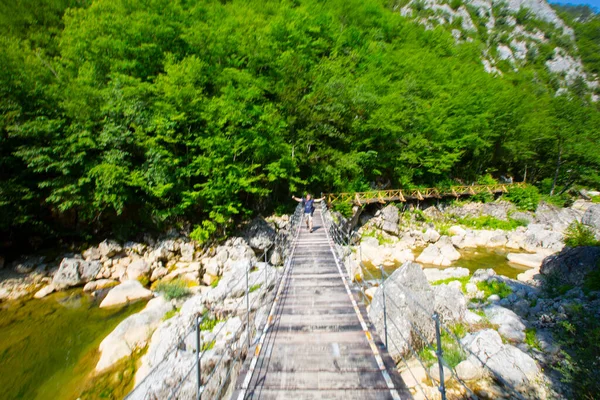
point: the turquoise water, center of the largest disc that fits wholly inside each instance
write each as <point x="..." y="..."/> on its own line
<point x="48" y="347"/>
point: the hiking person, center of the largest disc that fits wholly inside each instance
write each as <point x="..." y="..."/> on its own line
<point x="308" y="203"/>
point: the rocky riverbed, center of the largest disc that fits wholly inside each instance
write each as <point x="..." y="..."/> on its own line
<point x="506" y="320"/>
<point x="504" y="344"/>
<point x="115" y="275"/>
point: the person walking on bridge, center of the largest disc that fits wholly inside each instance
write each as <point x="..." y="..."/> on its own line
<point x="308" y="203"/>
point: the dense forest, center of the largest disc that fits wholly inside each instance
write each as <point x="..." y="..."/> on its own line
<point x="118" y="116"/>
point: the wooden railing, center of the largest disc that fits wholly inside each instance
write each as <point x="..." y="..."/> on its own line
<point x="384" y="196"/>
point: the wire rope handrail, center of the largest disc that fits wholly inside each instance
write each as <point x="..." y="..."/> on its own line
<point x="440" y="327"/>
<point x="283" y="243"/>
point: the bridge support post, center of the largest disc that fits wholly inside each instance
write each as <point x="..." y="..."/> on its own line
<point x="438" y="336"/>
<point x="385" y="330"/>
<point x="248" y="308"/>
<point x="198" y="366"/>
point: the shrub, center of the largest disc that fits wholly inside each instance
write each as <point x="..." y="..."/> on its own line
<point x="174" y="289"/>
<point x="463" y="281"/>
<point x="525" y="198"/>
<point x="488" y="222"/>
<point x="578" y="234"/>
<point x="531" y="340"/>
<point x="202" y="233"/>
<point x="343" y="208"/>
<point x="494" y="287"/>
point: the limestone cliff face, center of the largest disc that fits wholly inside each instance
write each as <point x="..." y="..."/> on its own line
<point x="516" y="34"/>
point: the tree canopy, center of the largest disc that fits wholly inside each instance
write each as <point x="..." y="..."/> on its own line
<point x="123" y="115"/>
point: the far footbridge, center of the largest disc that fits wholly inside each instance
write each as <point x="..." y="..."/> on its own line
<point x="403" y="195"/>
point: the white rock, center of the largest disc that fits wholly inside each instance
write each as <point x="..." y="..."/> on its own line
<point x="99" y="284"/>
<point x="132" y="333"/>
<point x="467" y="371"/>
<point x="510" y="363"/>
<point x="435" y="274"/>
<point x="124" y="293"/>
<point x="158" y="273"/>
<point x="45" y="291"/>
<point x="471" y="317"/>
<point x="431" y="236"/>
<point x="370" y="292"/>
<point x="511" y="326"/>
<point x="457" y="230"/>
<point x="528" y="260"/>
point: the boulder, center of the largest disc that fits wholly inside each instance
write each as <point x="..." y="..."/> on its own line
<point x="472" y="318"/>
<point x="483" y="275"/>
<point x="555" y="218"/>
<point x="99" y="284"/>
<point x="435" y="274"/>
<point x="259" y="234"/>
<point x="74" y="271"/>
<point x="450" y="303"/>
<point x="137" y="269"/>
<point x="158" y="273"/>
<point x="537" y="237"/>
<point x="132" y="333"/>
<point x="126" y="292"/>
<point x="467" y="371"/>
<point x="572" y="265"/>
<point x="45" y="291"/>
<point x="409" y="304"/>
<point x="109" y="248"/>
<point x="431" y="235"/>
<point x="276" y="258"/>
<point x="456" y="230"/>
<point x="528" y="260"/>
<point x="592" y="216"/>
<point x="434" y="255"/>
<point x="187" y="252"/>
<point x="92" y="254"/>
<point x="581" y="205"/>
<point x="504" y="361"/>
<point x="510" y="325"/>
<point x="434" y="372"/>
<point x="390" y="219"/>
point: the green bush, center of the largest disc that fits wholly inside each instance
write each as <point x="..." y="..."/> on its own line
<point x="595" y="199"/>
<point x="579" y="338"/>
<point x="531" y="340"/>
<point x="494" y="287"/>
<point x="343" y="208"/>
<point x="202" y="233"/>
<point x="463" y="281"/>
<point x="525" y="198"/>
<point x="488" y="222"/>
<point x="174" y="289"/>
<point x="578" y="234"/>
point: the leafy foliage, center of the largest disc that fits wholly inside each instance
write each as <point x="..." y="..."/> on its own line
<point x="122" y="116"/>
<point x="525" y="198"/>
<point x="489" y="222"/>
<point x="174" y="289"/>
<point x="494" y="287"/>
<point x="578" y="234"/>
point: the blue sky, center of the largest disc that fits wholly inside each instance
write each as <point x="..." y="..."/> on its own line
<point x="593" y="3"/>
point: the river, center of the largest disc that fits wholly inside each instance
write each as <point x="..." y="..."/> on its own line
<point x="48" y="347"/>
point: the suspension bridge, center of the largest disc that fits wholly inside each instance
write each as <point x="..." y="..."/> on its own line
<point x="403" y="195"/>
<point x="319" y="344"/>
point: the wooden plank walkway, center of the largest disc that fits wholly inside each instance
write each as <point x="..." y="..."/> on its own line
<point x="319" y="345"/>
<point x="383" y="196"/>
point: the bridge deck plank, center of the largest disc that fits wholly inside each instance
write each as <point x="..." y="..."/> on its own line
<point x="316" y="347"/>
